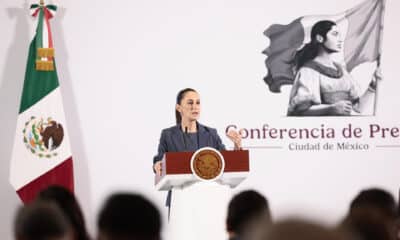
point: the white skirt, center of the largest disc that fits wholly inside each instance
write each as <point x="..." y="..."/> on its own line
<point x="199" y="212"/>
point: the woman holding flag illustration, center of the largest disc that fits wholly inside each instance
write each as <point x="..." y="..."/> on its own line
<point x="323" y="87"/>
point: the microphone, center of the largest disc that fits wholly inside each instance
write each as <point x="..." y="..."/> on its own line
<point x="184" y="138"/>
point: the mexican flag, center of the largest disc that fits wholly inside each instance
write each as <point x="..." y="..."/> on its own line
<point x="361" y="28"/>
<point x="41" y="155"/>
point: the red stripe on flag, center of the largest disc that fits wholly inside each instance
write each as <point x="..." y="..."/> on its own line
<point x="61" y="175"/>
<point x="35" y="13"/>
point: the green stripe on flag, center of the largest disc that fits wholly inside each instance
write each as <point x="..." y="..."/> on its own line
<point x="52" y="7"/>
<point x="37" y="84"/>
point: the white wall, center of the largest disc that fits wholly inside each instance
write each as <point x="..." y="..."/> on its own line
<point x="120" y="65"/>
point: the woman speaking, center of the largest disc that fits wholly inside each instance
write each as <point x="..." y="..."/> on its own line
<point x="188" y="206"/>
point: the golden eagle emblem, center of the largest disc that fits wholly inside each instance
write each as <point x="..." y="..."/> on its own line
<point x="43" y="136"/>
<point x="207" y="164"/>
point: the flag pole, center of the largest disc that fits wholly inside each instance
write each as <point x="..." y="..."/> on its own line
<point x="41" y="2"/>
<point x="378" y="60"/>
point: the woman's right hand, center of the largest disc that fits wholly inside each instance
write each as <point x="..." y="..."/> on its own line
<point x="157" y="168"/>
<point x="236" y="138"/>
<point x="342" y="108"/>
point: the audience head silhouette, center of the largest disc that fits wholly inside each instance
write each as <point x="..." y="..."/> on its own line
<point x="67" y="202"/>
<point x="372" y="215"/>
<point x="41" y="221"/>
<point x="129" y="216"/>
<point x="245" y="208"/>
<point x="377" y="198"/>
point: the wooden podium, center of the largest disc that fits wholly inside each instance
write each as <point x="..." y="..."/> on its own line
<point x="177" y="172"/>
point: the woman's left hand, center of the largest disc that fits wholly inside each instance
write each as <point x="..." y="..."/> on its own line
<point x="375" y="79"/>
<point x="378" y="74"/>
<point x="236" y="138"/>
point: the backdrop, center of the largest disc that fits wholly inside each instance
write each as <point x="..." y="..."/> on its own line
<point x="121" y="64"/>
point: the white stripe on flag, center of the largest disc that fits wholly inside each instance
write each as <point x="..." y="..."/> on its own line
<point x="26" y="166"/>
<point x="45" y="37"/>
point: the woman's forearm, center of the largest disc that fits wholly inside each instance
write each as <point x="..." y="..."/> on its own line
<point x="318" y="110"/>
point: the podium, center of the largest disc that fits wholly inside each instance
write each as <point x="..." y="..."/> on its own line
<point x="201" y="185"/>
<point x="178" y="173"/>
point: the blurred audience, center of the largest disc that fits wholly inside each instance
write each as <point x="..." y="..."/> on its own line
<point x="398" y="218"/>
<point x="372" y="215"/>
<point x="56" y="215"/>
<point x="244" y="209"/>
<point x="41" y="221"/>
<point x="377" y="198"/>
<point x="67" y="202"/>
<point x="296" y="229"/>
<point x="129" y="216"/>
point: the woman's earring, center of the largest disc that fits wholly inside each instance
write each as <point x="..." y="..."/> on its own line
<point x="320" y="39"/>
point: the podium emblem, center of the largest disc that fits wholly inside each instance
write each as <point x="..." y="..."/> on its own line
<point x="207" y="164"/>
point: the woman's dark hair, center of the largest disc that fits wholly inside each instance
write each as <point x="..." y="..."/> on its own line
<point x="310" y="50"/>
<point x="179" y="97"/>
<point x="67" y="202"/>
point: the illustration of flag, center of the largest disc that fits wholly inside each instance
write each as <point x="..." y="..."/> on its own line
<point x="41" y="154"/>
<point x="361" y="29"/>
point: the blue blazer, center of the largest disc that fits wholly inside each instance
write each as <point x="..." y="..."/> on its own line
<point x="172" y="140"/>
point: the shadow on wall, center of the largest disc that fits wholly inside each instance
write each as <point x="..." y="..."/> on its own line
<point x="81" y="170"/>
<point x="10" y="93"/>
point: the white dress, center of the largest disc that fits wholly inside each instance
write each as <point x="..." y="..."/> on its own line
<point x="316" y="84"/>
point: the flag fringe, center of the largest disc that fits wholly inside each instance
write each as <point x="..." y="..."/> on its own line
<point x="44" y="65"/>
<point x="45" y="52"/>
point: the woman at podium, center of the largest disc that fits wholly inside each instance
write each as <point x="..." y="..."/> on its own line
<point x="189" y="135"/>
